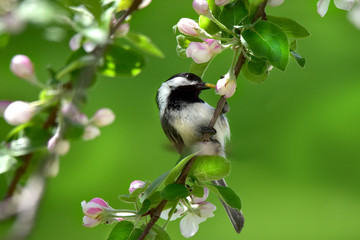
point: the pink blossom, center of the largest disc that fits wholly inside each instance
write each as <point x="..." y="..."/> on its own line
<point x="188" y="26"/>
<point x="91" y="132"/>
<point x="226" y="87"/>
<point x="19" y="112"/>
<point x="58" y="146"/>
<point x="202" y="52"/>
<point x="103" y="117"/>
<point x="22" y="67"/>
<point x="201" y="7"/>
<point x="135" y="185"/>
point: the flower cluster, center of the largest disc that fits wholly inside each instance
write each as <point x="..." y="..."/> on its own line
<point x="193" y="211"/>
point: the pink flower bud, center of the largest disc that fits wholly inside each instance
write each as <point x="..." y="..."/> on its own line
<point x="22" y="67"/>
<point x="144" y="3"/>
<point x="58" y="146"/>
<point x="75" y="42"/>
<point x="226" y="87"/>
<point x="222" y="2"/>
<point x="199" y="52"/>
<point x="188" y="26"/>
<point x="18" y="113"/>
<point x="214" y="45"/>
<point x="135" y="185"/>
<point x="201" y="7"/>
<point x="90" y="133"/>
<point x="103" y="117"/>
<point x="70" y="111"/>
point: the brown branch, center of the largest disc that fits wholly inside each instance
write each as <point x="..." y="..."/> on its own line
<point x="18" y="174"/>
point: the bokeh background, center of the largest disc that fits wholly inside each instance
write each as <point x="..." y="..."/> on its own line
<point x="295" y="146"/>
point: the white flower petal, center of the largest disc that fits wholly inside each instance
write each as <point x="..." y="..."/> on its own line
<point x="275" y="3"/>
<point x="322" y="7"/>
<point x="178" y="213"/>
<point x="206" y="210"/>
<point x="354" y="16"/>
<point x="189" y="225"/>
<point x="203" y="198"/>
<point x="344" y="4"/>
<point x="90" y="222"/>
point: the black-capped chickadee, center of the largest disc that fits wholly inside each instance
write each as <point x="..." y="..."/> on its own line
<point x="185" y="117"/>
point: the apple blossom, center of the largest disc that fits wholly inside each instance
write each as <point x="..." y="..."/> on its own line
<point x="75" y="42"/>
<point x="22" y="67"/>
<point x="19" y="112"/>
<point x="225" y="86"/>
<point x="136" y="185"/>
<point x="354" y="16"/>
<point x="91" y="132"/>
<point x="103" y="117"/>
<point x="202" y="52"/>
<point x="194" y="211"/>
<point x="323" y="5"/>
<point x="98" y="211"/>
<point x="188" y="26"/>
<point x="3" y="106"/>
<point x="201" y="7"/>
<point x="122" y="30"/>
<point x="58" y="146"/>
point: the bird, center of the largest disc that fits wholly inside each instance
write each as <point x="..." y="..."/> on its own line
<point x="185" y="117"/>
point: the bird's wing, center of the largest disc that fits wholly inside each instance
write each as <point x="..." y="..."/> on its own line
<point x="172" y="135"/>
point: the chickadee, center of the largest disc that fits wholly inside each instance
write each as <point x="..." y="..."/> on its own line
<point x="185" y="117"/>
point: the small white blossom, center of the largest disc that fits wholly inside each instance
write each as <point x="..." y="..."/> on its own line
<point x="275" y="3"/>
<point x="226" y="86"/>
<point x="201" y="7"/>
<point x="188" y="26"/>
<point x="103" y="117"/>
<point x="222" y="2"/>
<point x="91" y="132"/>
<point x="22" y="67"/>
<point x="19" y="112"/>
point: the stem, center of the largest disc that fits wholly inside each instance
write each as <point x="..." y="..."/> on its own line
<point x="18" y="174"/>
<point x="222" y="26"/>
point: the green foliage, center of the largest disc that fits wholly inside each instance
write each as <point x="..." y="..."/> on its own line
<point x="174" y="191"/>
<point x="124" y="230"/>
<point x="174" y="173"/>
<point x="205" y="23"/>
<point x="121" y="61"/>
<point x="290" y="27"/>
<point x="144" y="44"/>
<point x="233" y="14"/>
<point x="253" y="77"/>
<point x="208" y="168"/>
<point x="299" y="59"/>
<point x="226" y="194"/>
<point x="153" y="186"/>
<point x="268" y="40"/>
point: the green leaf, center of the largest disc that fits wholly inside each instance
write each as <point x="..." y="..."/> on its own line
<point x="253" y="77"/>
<point x="161" y="234"/>
<point x="227" y="195"/>
<point x="268" y="40"/>
<point x="153" y="187"/>
<point x="144" y="44"/>
<point x="299" y="59"/>
<point x="124" y="230"/>
<point x="121" y="61"/>
<point x="233" y="14"/>
<point x="257" y="66"/>
<point x="208" y="168"/>
<point x="197" y="191"/>
<point x="199" y="69"/>
<point x="293" y="45"/>
<point x="290" y="27"/>
<point x="81" y="62"/>
<point x="35" y="139"/>
<point x="145" y="207"/>
<point x="6" y="161"/>
<point x="174" y="191"/>
<point x="174" y="173"/>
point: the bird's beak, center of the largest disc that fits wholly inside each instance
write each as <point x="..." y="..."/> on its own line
<point x="204" y="86"/>
<point x="210" y="85"/>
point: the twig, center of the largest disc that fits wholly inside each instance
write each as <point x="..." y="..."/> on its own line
<point x="157" y="211"/>
<point x="18" y="174"/>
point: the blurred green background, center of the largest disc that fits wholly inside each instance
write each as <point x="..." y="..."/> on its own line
<point x="295" y="146"/>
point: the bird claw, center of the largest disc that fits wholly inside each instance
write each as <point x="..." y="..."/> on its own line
<point x="209" y="130"/>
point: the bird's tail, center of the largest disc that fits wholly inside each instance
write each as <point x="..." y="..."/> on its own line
<point x="236" y="217"/>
